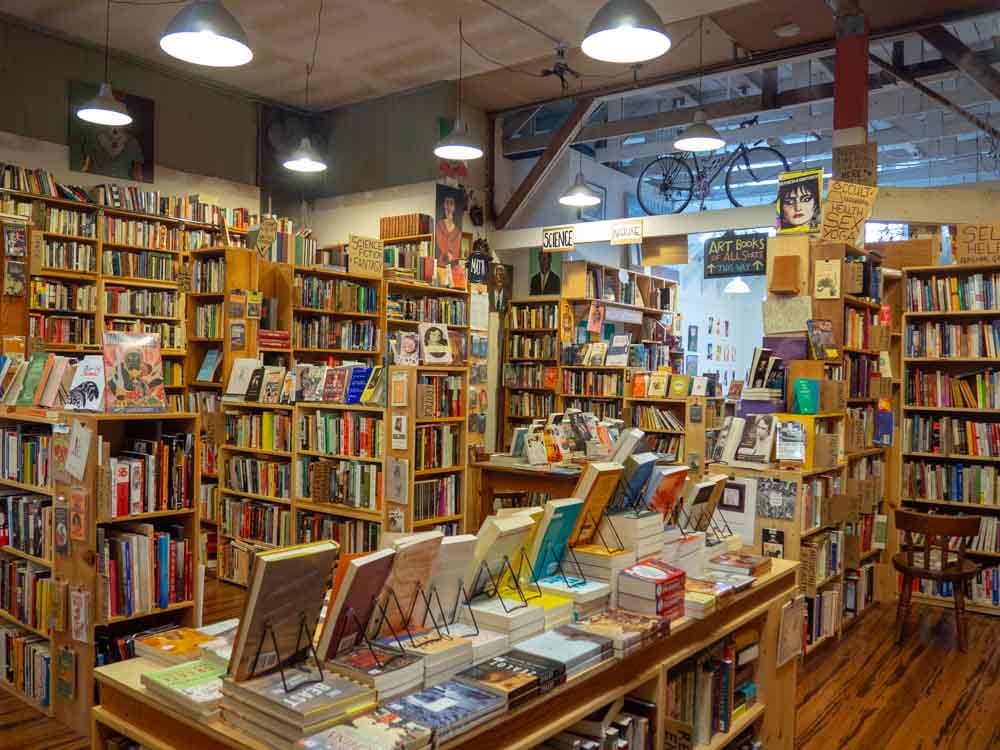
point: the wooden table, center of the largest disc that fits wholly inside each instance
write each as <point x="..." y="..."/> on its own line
<point x="496" y="478"/>
<point x="128" y="708"/>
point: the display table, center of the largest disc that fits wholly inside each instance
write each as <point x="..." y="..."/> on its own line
<point x="497" y="478"/>
<point x="127" y="707"/>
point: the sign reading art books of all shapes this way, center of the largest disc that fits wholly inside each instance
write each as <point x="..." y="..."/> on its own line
<point x="364" y="255"/>
<point x="558" y="239"/>
<point x="626" y="232"/>
<point x="848" y="206"/>
<point x="732" y="255"/>
<point x="977" y="243"/>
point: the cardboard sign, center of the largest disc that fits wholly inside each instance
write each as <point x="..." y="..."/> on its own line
<point x="558" y="239"/>
<point x="732" y="255"/>
<point x="266" y="234"/>
<point x="846" y="209"/>
<point x="626" y="232"/>
<point x="184" y="278"/>
<point x="977" y="243"/>
<point x="37" y="251"/>
<point x="857" y="164"/>
<point x="364" y="256"/>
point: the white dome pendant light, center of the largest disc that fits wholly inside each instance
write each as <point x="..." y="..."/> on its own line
<point x="699" y="135"/>
<point x="579" y="194"/>
<point x="104" y="109"/>
<point x="626" y="31"/>
<point x="737" y="286"/>
<point x="205" y="33"/>
<point x="458" y="145"/>
<point x="305" y="158"/>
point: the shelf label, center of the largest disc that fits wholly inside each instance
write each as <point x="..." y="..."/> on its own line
<point x="558" y="239"/>
<point x="364" y="256"/>
<point x="626" y="232"/>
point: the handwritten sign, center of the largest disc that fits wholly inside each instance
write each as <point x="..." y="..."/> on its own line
<point x="364" y="256"/>
<point x="732" y="255"/>
<point x="36" y="250"/>
<point x="184" y="278"/>
<point x="846" y="209"/>
<point x="558" y="239"/>
<point x="626" y="232"/>
<point x="977" y="243"/>
<point x="857" y="164"/>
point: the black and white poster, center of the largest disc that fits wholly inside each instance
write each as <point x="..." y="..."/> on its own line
<point x="776" y="499"/>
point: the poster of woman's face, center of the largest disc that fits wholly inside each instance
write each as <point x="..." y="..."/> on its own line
<point x="800" y="201"/>
<point x="448" y="214"/>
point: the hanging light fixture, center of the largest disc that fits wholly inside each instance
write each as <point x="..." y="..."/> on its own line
<point x="699" y="135"/>
<point x="737" y="286"/>
<point x="579" y="194"/>
<point x="458" y="145"/>
<point x="104" y="109"/>
<point x="205" y="33"/>
<point x="626" y="31"/>
<point x="305" y="158"/>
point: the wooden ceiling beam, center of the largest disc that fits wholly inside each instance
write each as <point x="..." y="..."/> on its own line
<point x="963" y="58"/>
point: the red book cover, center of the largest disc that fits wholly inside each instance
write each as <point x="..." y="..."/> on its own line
<point x="113" y="584"/>
<point x="665" y="577"/>
<point x="188" y="588"/>
<point x="172" y="554"/>
<point x="121" y="480"/>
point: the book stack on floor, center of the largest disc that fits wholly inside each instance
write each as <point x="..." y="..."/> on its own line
<point x="652" y="587"/>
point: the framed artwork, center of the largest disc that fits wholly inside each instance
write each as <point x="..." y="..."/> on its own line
<point x="449" y="211"/>
<point x="126" y="152"/>
<point x="546" y="272"/>
<point x="734" y="497"/>
<point x="593" y="213"/>
<point x="692" y="338"/>
<point x="691" y="365"/>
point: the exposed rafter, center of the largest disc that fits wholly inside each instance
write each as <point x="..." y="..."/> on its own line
<point x="963" y="58"/>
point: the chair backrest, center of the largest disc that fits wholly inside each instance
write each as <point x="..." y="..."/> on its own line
<point x="943" y="533"/>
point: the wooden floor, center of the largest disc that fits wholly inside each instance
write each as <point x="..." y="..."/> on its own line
<point x="862" y="694"/>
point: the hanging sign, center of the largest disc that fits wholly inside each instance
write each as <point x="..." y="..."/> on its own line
<point x="857" y="164"/>
<point x="977" y="243"/>
<point x="736" y="255"/>
<point x="558" y="239"/>
<point x="846" y="209"/>
<point x="364" y="256"/>
<point x="266" y="233"/>
<point x="626" y="232"/>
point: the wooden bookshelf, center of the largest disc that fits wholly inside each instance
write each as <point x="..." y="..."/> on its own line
<point x="531" y="320"/>
<point x="936" y="450"/>
<point x="700" y="418"/>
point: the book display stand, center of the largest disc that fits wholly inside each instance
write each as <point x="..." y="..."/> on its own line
<point x="302" y="636"/>
<point x="559" y="565"/>
<point x="600" y="535"/>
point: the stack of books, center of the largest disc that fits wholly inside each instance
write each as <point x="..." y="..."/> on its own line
<point x="513" y="617"/>
<point x="442" y="655"/>
<point x="274" y="339"/>
<point x="174" y="646"/>
<point x="598" y="562"/>
<point x="263" y="709"/>
<point x="375" y="731"/>
<point x="652" y="587"/>
<point x="641" y="532"/>
<point x="193" y="688"/>
<point x="589" y="597"/>
<point x="576" y="649"/>
<point x="485" y="643"/>
<point x="628" y="631"/>
<point x="515" y="681"/>
<point x="449" y="709"/>
<point x="698" y="602"/>
<point x="686" y="550"/>
<point x="388" y="671"/>
<point x="558" y="609"/>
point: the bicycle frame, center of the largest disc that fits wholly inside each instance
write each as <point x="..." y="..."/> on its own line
<point x="702" y="181"/>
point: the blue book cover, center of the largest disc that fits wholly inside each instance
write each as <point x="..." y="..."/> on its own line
<point x="638" y="468"/>
<point x="359" y="379"/>
<point x="883" y="428"/>
<point x="206" y="373"/>
<point x="553" y="535"/>
<point x="127" y="573"/>
<point x="446" y="705"/>
<point x="568" y="645"/>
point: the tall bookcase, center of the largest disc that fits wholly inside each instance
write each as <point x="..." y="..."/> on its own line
<point x="949" y="458"/>
<point x="698" y="417"/>
<point x="84" y="567"/>
<point x="530" y="374"/>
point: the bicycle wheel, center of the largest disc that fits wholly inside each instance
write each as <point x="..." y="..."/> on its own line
<point x="665" y="186"/>
<point x="761" y="164"/>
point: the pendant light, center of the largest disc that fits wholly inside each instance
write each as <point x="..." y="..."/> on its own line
<point x="205" y="33"/>
<point x="458" y="145"/>
<point x="699" y="135"/>
<point x="305" y="158"/>
<point x="579" y="194"/>
<point x="104" y="109"/>
<point x="737" y="286"/>
<point x="626" y="31"/>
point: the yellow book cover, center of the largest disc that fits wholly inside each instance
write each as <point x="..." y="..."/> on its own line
<point x="600" y="549"/>
<point x="679" y="386"/>
<point x="267" y="430"/>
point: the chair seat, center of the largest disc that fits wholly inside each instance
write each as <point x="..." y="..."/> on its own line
<point x="950" y="572"/>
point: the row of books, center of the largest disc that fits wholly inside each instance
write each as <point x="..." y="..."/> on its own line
<point x="971" y="483"/>
<point x="149" y="234"/>
<point x="171" y="335"/>
<point x="24" y="453"/>
<point x="158" y="303"/>
<point x="436" y="498"/>
<point x="590" y="383"/>
<point x="288" y="244"/>
<point x="334" y="295"/>
<point x="859" y="590"/>
<point x="235" y="559"/>
<point x="953" y="293"/>
<point x="601" y="409"/>
<point x="448" y="310"/>
<point x="348" y="384"/>
<point x="80" y="257"/>
<point x="255" y="521"/>
<point x="62" y="296"/>
<point x="354" y="484"/>
<point x="530" y="376"/>
<point x="950" y="436"/>
<point x="654" y="385"/>
<point x="354" y="536"/>
<point x="437" y="446"/>
<point x="404" y="225"/>
<point x="823" y="614"/>
<point x="332" y="257"/>
<point x="946" y="340"/>
<point x="984" y="589"/>
<point x="342" y="433"/>
<point x="258" y="476"/>
<point x="208" y="320"/>
<point x="528" y="404"/>
<point x="521" y="346"/>
<point x="440" y="395"/>
<point x="655" y="419"/>
<point x="973" y="390"/>
<point x="858" y="328"/>
<point x="815" y="490"/>
<point x="45" y="380"/>
<point x="858" y="371"/>
<point x="26" y="523"/>
<point x="598" y="353"/>
<point x="25" y="591"/>
<point x="651" y="356"/>
<point x="139" y="265"/>
<point x="143" y="568"/>
<point x="324" y="333"/>
<point x="533" y="316"/>
<point x="26" y="664"/>
<point x="822" y="556"/>
<point x="149" y="476"/>
<point x="208" y="275"/>
<point x="70" y="221"/>
<point x="269" y="430"/>
<point x="62" y="329"/>
<point x="191" y="207"/>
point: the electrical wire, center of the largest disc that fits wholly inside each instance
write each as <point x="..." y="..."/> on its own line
<point x="312" y="65"/>
<point x="107" y="44"/>
<point x="530" y="25"/>
<point x="494" y="61"/>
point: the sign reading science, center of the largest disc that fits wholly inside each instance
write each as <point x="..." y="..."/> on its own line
<point x="558" y="239"/>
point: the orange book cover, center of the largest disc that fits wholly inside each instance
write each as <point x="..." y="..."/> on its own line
<point x="43" y="380"/>
<point x="639" y="385"/>
<point x="602" y="489"/>
<point x="338" y="580"/>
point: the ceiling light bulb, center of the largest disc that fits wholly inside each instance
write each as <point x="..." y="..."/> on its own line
<point x="787" y="30"/>
<point x="205" y="33"/>
<point x="579" y="194"/>
<point x="626" y="31"/>
<point x="305" y="159"/>
<point x="104" y="109"/>
<point x="737" y="286"/>
<point x="699" y="136"/>
<point x="458" y="145"/>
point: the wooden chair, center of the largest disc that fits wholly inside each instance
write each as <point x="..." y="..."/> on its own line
<point x="936" y="534"/>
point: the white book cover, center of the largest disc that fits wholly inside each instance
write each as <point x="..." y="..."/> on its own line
<point x="239" y="378"/>
<point x="86" y="393"/>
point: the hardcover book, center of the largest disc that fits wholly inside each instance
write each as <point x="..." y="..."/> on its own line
<point x="86" y="392"/>
<point x="499" y="542"/>
<point x="239" y="378"/>
<point x="379" y="730"/>
<point x="134" y="371"/>
<point x="358" y="580"/>
<point x="596" y="487"/>
<point x="559" y="518"/>
<point x="209" y="365"/>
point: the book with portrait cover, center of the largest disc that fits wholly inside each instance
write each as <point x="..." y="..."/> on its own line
<point x="133" y="369"/>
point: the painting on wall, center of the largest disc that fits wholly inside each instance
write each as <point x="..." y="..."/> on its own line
<point x="545" y="270"/>
<point x="692" y="338"/>
<point x="448" y="215"/>
<point x="126" y="152"/>
<point x="593" y="213"/>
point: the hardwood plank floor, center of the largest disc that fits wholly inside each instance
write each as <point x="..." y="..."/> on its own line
<point x="867" y="692"/>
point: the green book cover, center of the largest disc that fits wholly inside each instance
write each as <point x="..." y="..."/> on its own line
<point x="33" y="376"/>
<point x="188" y="675"/>
<point x="806" y="396"/>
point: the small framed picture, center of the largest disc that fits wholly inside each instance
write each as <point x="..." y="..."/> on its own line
<point x="734" y="497"/>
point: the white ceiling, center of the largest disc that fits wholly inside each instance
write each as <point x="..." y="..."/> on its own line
<point x="368" y="48"/>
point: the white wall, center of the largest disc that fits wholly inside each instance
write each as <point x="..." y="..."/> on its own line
<point x="333" y="219"/>
<point x="35" y="154"/>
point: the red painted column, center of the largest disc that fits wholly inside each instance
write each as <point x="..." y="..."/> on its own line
<point x="850" y="84"/>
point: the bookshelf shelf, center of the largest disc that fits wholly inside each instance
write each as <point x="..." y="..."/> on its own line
<point x="138" y="248"/>
<point x="146" y="516"/>
<point x="860" y="302"/>
<point x="952" y="456"/>
<point x="949" y="603"/>
<point x="37" y="489"/>
<point x="816" y="530"/>
<point x="533" y="330"/>
<point x="946" y="360"/>
<point x="338" y="456"/>
<point x="329" y="406"/>
<point x="70" y="237"/>
<point x="15" y="552"/>
<point x="321" y="271"/>
<point x="336" y="509"/>
<point x="438" y="470"/>
<point x="419" y="288"/>
<point x="950" y="409"/>
<point x="7" y="687"/>
<point x="50" y="310"/>
<point x="351" y="352"/>
<point x="152" y="613"/>
<point x="438" y="420"/>
<point x="206" y="384"/>
<point x="592" y="367"/>
<point x="419" y="524"/>
<point x="407" y="238"/>
<point x="722" y="739"/>
<point x="951" y="313"/>
<point x="138" y="281"/>
<point x="261" y="451"/>
<point x="335" y="313"/>
<point x="64" y="273"/>
<point x="852" y="455"/>
<point x="256" y="405"/>
<point x="254" y="496"/>
<point x="246" y="540"/>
